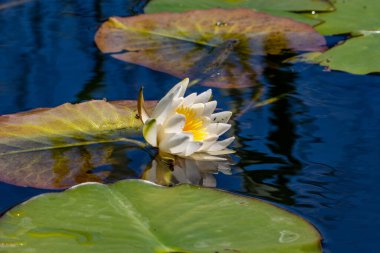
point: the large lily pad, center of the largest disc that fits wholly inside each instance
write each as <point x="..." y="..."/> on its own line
<point x="358" y="55"/>
<point x="278" y="8"/>
<point x="350" y="17"/>
<point x="217" y="46"/>
<point x="133" y="216"/>
<point x="58" y="147"/>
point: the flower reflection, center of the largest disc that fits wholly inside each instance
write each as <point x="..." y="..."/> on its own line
<point x="171" y="170"/>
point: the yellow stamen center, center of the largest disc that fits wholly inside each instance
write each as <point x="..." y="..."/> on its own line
<point x="193" y="123"/>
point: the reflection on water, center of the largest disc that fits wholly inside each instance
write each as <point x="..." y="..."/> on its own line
<point x="48" y="46"/>
<point x="174" y="170"/>
<point x="315" y="151"/>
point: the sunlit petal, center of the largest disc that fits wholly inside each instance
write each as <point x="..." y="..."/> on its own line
<point x="218" y="128"/>
<point x="220" y="145"/>
<point x="198" y="109"/>
<point x="209" y="108"/>
<point x="221" y="117"/>
<point x="175" y="124"/>
<point x="189" y="100"/>
<point x="192" y="147"/>
<point x="203" y="97"/>
<point x="166" y="103"/>
<point x="208" y="142"/>
<point x="175" y="143"/>
<point x="150" y="132"/>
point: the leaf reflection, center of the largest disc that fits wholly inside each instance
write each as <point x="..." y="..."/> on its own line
<point x="174" y="170"/>
<point x="56" y="168"/>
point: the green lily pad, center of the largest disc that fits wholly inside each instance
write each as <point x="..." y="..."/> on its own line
<point x="58" y="147"/>
<point x="284" y="8"/>
<point x="356" y="55"/>
<point x="223" y="48"/>
<point x="155" y="6"/>
<point x="350" y="16"/>
<point x="134" y="216"/>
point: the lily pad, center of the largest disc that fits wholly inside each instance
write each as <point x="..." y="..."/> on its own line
<point x="222" y="48"/>
<point x="357" y="55"/>
<point x="278" y="8"/>
<point x="351" y="16"/>
<point x="58" y="147"/>
<point x="134" y="216"/>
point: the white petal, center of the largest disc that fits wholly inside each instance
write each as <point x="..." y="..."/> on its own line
<point x="192" y="147"/>
<point x="220" y="145"/>
<point x="174" y="124"/>
<point x="166" y="103"/>
<point x="198" y="109"/>
<point x="208" y="142"/>
<point x="209" y="108"/>
<point x="189" y="100"/>
<point x="183" y="84"/>
<point x="163" y="105"/>
<point x="211" y="137"/>
<point x="175" y="143"/>
<point x="221" y="117"/>
<point x="218" y="128"/>
<point x="179" y="89"/>
<point x="203" y="97"/>
<point x="150" y="132"/>
<point x="170" y="109"/>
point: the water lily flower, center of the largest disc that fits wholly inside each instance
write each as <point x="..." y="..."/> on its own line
<point x="186" y="126"/>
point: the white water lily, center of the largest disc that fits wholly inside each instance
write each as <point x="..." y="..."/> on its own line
<point x="186" y="126"/>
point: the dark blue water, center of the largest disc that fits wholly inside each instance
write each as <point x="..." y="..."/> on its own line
<point x="315" y="152"/>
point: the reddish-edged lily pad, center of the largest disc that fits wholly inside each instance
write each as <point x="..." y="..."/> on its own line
<point x="58" y="147"/>
<point x="219" y="47"/>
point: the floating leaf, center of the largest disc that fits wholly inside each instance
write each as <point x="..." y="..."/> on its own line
<point x="133" y="216"/>
<point x="58" y="147"/>
<point x="358" y="55"/>
<point x="350" y="17"/>
<point x="278" y="8"/>
<point x="223" y="42"/>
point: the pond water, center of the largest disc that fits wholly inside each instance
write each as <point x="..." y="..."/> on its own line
<point x="314" y="152"/>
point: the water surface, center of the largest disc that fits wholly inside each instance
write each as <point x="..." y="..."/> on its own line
<point x="315" y="152"/>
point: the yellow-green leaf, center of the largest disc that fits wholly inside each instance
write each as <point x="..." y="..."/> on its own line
<point x="58" y="147"/>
